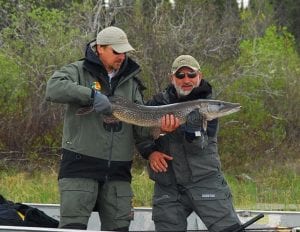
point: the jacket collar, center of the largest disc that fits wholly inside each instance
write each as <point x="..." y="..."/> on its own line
<point x="93" y="64"/>
<point x="169" y="95"/>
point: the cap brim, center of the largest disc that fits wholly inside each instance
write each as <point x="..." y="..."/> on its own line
<point x="191" y="67"/>
<point x="122" y="48"/>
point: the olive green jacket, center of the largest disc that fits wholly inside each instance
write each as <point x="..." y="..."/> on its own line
<point x="87" y="135"/>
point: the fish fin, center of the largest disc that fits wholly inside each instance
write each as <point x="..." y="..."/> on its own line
<point x="85" y="110"/>
<point x="156" y="132"/>
<point x="110" y="119"/>
<point x="204" y="124"/>
<point x="203" y="121"/>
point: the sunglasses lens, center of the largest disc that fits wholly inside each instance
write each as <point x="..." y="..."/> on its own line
<point x="181" y="75"/>
<point x="192" y="74"/>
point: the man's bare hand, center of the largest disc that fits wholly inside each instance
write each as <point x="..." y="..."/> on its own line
<point x="169" y="123"/>
<point x="158" y="161"/>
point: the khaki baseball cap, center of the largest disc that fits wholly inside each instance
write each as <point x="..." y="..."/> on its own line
<point x="185" y="61"/>
<point x="115" y="37"/>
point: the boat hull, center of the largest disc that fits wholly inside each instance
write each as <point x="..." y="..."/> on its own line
<point x="143" y="220"/>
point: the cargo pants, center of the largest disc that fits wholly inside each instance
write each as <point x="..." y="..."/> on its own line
<point x="210" y="199"/>
<point x="81" y="196"/>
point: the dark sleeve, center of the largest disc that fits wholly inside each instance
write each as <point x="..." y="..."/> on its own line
<point x="212" y="127"/>
<point x="143" y="137"/>
<point x="152" y="102"/>
<point x="146" y="147"/>
<point x="144" y="141"/>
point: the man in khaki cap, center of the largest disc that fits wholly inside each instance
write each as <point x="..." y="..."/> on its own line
<point x="95" y="168"/>
<point x="115" y="37"/>
<point x="185" y="164"/>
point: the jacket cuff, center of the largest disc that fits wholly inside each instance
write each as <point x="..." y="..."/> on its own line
<point x="146" y="149"/>
<point x="93" y="94"/>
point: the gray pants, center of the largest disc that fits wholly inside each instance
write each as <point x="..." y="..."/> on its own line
<point x="80" y="196"/>
<point x="210" y="200"/>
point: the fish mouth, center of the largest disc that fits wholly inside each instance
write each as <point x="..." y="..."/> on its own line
<point x="235" y="107"/>
<point x="229" y="109"/>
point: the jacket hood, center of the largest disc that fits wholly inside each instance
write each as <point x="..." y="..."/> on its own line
<point x="92" y="61"/>
<point x="90" y="53"/>
<point x="204" y="90"/>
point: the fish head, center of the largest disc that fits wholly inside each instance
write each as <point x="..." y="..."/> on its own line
<point x="216" y="109"/>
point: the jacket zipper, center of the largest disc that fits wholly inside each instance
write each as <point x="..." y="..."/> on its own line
<point x="111" y="129"/>
<point x="110" y="152"/>
<point x="111" y="143"/>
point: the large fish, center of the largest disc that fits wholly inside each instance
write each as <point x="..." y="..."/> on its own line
<point x="150" y="116"/>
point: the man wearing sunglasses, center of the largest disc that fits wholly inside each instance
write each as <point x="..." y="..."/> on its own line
<point x="185" y="164"/>
<point x="95" y="168"/>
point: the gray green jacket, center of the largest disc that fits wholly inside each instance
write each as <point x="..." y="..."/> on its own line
<point x="92" y="148"/>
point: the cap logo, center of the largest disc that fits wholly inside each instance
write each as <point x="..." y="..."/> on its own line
<point x="185" y="60"/>
<point x="180" y="63"/>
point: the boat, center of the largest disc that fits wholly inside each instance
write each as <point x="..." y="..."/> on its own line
<point x="271" y="221"/>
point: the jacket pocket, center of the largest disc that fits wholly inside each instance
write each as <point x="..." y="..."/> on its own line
<point x="165" y="209"/>
<point x="78" y="196"/>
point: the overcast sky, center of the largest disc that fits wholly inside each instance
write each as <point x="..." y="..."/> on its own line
<point x="244" y="1"/>
<point x="238" y="1"/>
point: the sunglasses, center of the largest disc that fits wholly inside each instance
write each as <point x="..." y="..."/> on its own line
<point x="181" y="75"/>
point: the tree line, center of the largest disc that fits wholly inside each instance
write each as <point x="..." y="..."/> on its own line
<point x="249" y="55"/>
